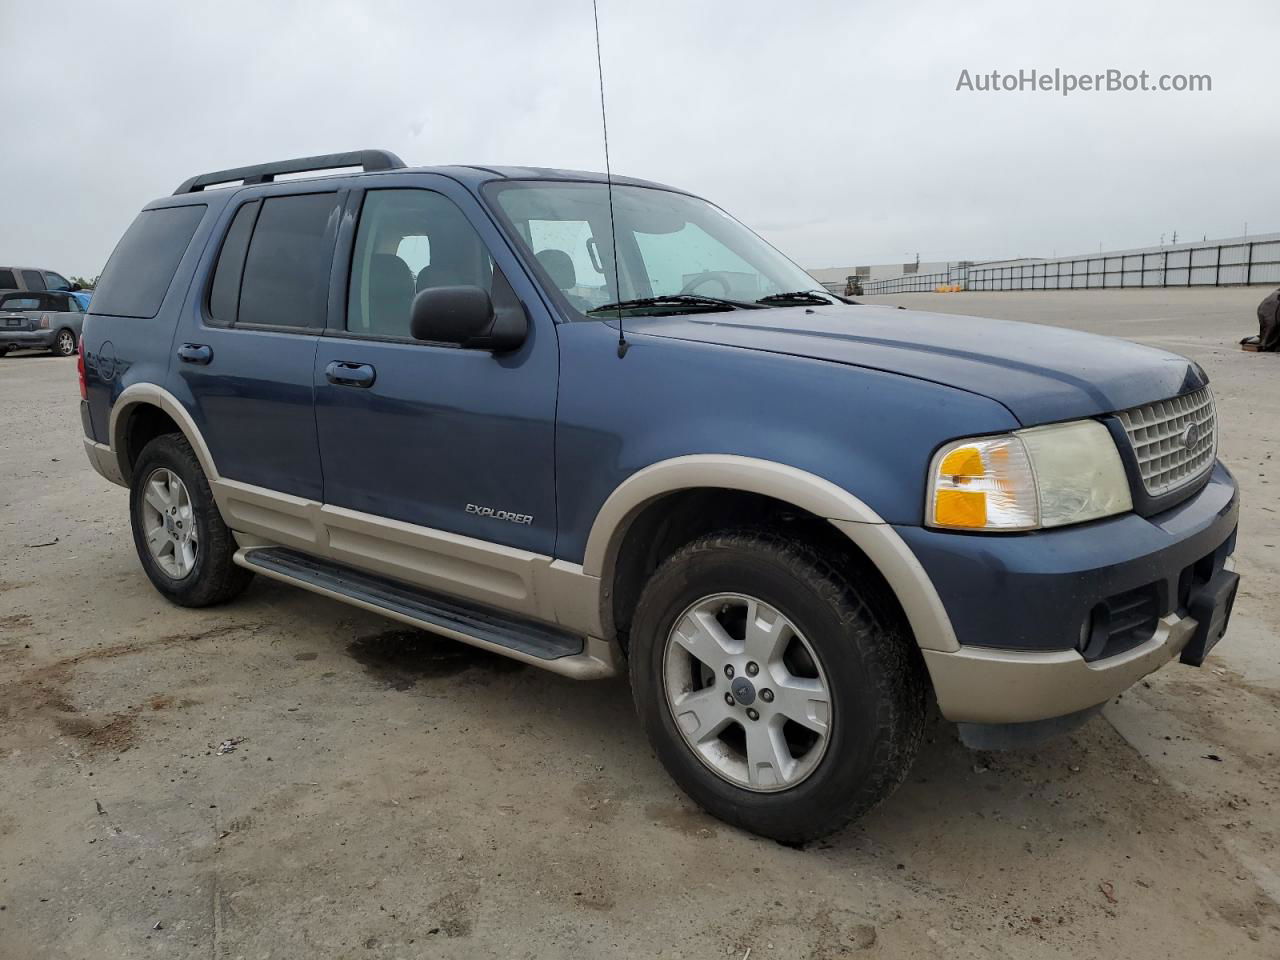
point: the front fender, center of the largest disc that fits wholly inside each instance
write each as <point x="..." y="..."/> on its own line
<point x="876" y="539"/>
<point x="865" y="432"/>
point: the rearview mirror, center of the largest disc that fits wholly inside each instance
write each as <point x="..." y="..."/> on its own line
<point x="466" y="316"/>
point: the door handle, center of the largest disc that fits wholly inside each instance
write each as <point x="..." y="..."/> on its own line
<point x="195" y="353"/>
<point x="345" y="374"/>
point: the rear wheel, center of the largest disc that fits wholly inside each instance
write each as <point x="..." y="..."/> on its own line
<point x="782" y="697"/>
<point x="181" y="539"/>
<point x="64" y="344"/>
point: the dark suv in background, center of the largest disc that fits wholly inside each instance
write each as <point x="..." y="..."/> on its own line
<point x="451" y="396"/>
<point x="33" y="278"/>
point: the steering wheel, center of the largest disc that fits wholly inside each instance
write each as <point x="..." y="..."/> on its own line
<point x="705" y="277"/>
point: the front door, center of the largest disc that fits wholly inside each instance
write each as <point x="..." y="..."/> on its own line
<point x="428" y="448"/>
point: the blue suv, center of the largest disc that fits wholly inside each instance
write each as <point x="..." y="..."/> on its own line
<point x="447" y="395"/>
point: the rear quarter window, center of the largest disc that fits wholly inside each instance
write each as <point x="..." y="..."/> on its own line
<point x="142" y="267"/>
<point x="7" y="280"/>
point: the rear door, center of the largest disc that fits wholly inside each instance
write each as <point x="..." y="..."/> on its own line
<point x="32" y="280"/>
<point x="245" y="355"/>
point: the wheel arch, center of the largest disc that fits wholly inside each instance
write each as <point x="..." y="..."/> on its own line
<point x="144" y="411"/>
<point x="672" y="481"/>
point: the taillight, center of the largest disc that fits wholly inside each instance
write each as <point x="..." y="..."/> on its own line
<point x="84" y="387"/>
<point x="44" y="321"/>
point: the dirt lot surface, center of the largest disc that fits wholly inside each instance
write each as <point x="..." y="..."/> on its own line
<point x="391" y="794"/>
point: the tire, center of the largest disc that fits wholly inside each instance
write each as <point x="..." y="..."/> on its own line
<point x="64" y="344"/>
<point x="873" y="674"/>
<point x="212" y="577"/>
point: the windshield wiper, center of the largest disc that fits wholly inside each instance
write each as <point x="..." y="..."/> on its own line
<point x="798" y="296"/>
<point x="674" y="299"/>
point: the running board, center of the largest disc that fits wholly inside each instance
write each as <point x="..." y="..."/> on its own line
<point x="529" y="641"/>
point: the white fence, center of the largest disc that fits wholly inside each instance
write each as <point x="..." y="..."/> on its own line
<point x="1234" y="262"/>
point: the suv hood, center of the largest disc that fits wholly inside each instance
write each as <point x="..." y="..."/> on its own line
<point x="1040" y="373"/>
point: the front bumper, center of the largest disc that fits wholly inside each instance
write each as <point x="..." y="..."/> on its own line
<point x="987" y="685"/>
<point x="1018" y="603"/>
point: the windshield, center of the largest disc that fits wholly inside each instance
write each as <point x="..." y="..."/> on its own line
<point x="669" y="245"/>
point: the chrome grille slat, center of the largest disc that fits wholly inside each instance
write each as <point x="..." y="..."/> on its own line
<point x="1157" y="434"/>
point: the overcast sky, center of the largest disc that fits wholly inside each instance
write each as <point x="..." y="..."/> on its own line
<point x="834" y="129"/>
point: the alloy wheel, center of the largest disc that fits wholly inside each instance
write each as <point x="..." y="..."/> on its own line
<point x="168" y="521"/>
<point x="747" y="692"/>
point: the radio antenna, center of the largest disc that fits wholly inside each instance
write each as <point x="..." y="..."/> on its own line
<point x="608" y="179"/>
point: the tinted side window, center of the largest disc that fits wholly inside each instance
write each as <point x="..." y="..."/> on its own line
<point x="7" y="280"/>
<point x="286" y="272"/>
<point x="142" y="267"/>
<point x="33" y="280"/>
<point x="55" y="281"/>
<point x="407" y="241"/>
<point x="224" y="293"/>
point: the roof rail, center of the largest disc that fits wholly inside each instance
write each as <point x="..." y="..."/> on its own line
<point x="369" y="160"/>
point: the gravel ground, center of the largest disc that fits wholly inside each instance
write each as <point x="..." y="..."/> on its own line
<point x="393" y="794"/>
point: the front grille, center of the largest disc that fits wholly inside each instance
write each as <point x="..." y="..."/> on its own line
<point x="1174" y="440"/>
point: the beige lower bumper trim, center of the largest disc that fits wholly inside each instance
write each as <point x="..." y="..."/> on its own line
<point x="104" y="461"/>
<point x="986" y="685"/>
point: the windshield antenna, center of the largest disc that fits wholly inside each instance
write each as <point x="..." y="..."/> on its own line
<point x="608" y="179"/>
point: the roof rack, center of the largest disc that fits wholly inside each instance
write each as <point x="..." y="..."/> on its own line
<point x="369" y="160"/>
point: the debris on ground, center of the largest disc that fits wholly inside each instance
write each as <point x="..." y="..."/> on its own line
<point x="1211" y="756"/>
<point x="97" y="804"/>
<point x="228" y="745"/>
<point x="46" y="543"/>
<point x="1108" y="890"/>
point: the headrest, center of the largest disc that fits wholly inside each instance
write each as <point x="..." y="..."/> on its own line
<point x="559" y="266"/>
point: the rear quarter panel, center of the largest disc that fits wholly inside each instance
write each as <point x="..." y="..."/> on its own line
<point x="121" y="351"/>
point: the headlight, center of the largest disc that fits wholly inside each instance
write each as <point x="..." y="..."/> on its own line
<point x="1040" y="477"/>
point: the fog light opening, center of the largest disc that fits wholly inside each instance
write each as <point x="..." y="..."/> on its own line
<point x="1095" y="630"/>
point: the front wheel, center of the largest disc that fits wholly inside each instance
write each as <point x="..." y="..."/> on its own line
<point x="64" y="344"/>
<point x="182" y="541"/>
<point x="782" y="697"/>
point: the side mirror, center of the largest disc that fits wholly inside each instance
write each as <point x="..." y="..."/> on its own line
<point x="466" y="316"/>
<point x="75" y="287"/>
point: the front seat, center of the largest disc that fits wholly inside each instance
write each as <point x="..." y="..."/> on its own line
<point x="390" y="295"/>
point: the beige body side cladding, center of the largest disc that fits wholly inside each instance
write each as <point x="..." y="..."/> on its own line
<point x="984" y="685"/>
<point x="517" y="581"/>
